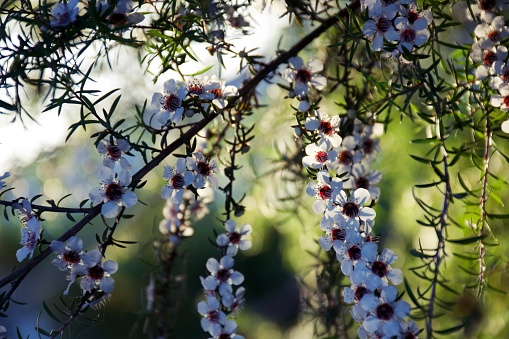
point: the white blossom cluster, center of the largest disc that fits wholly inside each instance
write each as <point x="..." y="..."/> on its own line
<point x="181" y="99"/>
<point x="222" y="290"/>
<point x="396" y="27"/>
<point x="64" y="14"/>
<point x="347" y="223"/>
<point x="114" y="191"/>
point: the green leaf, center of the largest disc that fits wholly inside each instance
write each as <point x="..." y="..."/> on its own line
<point x="50" y="313"/>
<point x="450" y="330"/>
<point x="494" y="289"/>
<point x="470" y="240"/>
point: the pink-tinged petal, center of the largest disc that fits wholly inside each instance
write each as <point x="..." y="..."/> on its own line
<point x="96" y="195"/>
<point x="110" y="266"/>
<point x="222" y="240"/>
<point x="107" y="284"/>
<point x="237" y="278"/>
<point x="90" y="259"/>
<point x="212" y="265"/>
<point x="230" y="225"/>
<point x="395" y="276"/>
<point x="129" y="199"/>
<point x="166" y="192"/>
<point x="109" y="209"/>
<point x="227" y="262"/>
<point x="369" y="251"/>
<point x="57" y="247"/>
<point x="296" y="62"/>
<point x="325" y="242"/>
<point x="22" y="253"/>
<point x="319" y="81"/>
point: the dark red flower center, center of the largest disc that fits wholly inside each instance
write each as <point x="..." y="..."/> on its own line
<point x="303" y="75"/>
<point x="114" y="192"/>
<point x="505" y="76"/>
<point x="171" y="102"/>
<point x="490" y="58"/>
<point x="368" y="146"/>
<point x="118" y="19"/>
<point x="360" y="291"/>
<point x="384" y="312"/>
<point x="223" y="275"/>
<point x="235" y="237"/>
<point x="325" y="192"/>
<point x="350" y="209"/>
<point x="408" y="35"/>
<point x="338" y="234"/>
<point x="487" y="5"/>
<point x="72" y="257"/>
<point x="178" y="181"/>
<point x="346" y="158"/>
<point x="214" y="316"/>
<point x="383" y="24"/>
<point x="321" y="157"/>
<point x="224" y="336"/>
<point x="195" y="87"/>
<point x="114" y="152"/>
<point x="412" y="17"/>
<point x="506" y="101"/>
<point x="354" y="253"/>
<point x="203" y="168"/>
<point x="325" y="127"/>
<point x="96" y="272"/>
<point x="362" y="182"/>
<point x="494" y="36"/>
<point x="380" y="269"/>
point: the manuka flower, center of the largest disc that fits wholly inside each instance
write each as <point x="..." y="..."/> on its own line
<point x="115" y="153"/>
<point x="113" y="192"/>
<point x="167" y="107"/>
<point x="220" y="92"/>
<point x="492" y="60"/>
<point x="213" y="318"/>
<point x="335" y="232"/>
<point x="410" y="34"/>
<point x="303" y="76"/>
<point x="96" y="273"/>
<point x="490" y="34"/>
<point x="380" y="26"/>
<point x="361" y="178"/>
<point x="64" y="14"/>
<point x="234" y="238"/>
<point x="228" y="331"/>
<point x="222" y="275"/>
<point x="347" y="155"/>
<point x="69" y="254"/>
<point x="203" y="170"/>
<point x="380" y="265"/>
<point x="327" y="128"/>
<point x="319" y="155"/>
<point x="178" y="179"/>
<point x="324" y="190"/>
<point x="501" y="100"/>
<point x="121" y="14"/>
<point x="30" y="231"/>
<point x="352" y="208"/>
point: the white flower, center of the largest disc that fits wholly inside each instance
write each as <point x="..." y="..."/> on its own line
<point x="203" y="169"/>
<point x="30" y="231"/>
<point x="64" y="14"/>
<point x="492" y="59"/>
<point x="235" y="238"/>
<point x="352" y="208"/>
<point x="113" y="192"/>
<point x="380" y="264"/>
<point x="324" y="191"/>
<point x="115" y="153"/>
<point x="367" y="144"/>
<point x="381" y="26"/>
<point x="304" y="76"/>
<point x="408" y="330"/>
<point x="335" y="232"/>
<point x="384" y="312"/>
<point x="490" y="34"/>
<point x="121" y="14"/>
<point x="228" y="331"/>
<point x="213" y="318"/>
<point x="501" y="100"/>
<point x="220" y="92"/>
<point x="96" y="274"/>
<point x="347" y="155"/>
<point x="326" y="127"/>
<point x="411" y="35"/>
<point x="361" y="178"/>
<point x="167" y="107"/>
<point x="69" y="254"/>
<point x="222" y="275"/>
<point x="178" y="179"/>
<point x="319" y="155"/>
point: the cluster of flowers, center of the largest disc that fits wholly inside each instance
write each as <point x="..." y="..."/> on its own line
<point x="114" y="191"/>
<point x="64" y="14"/>
<point x="348" y="224"/>
<point x="185" y="99"/>
<point x="400" y="23"/>
<point x="96" y="282"/>
<point x="222" y="301"/>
